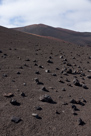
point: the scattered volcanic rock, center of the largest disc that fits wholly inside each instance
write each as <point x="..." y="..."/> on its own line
<point x="15" y="119"/>
<point x="26" y="65"/>
<point x="9" y="95"/>
<point x="63" y="89"/>
<point x="67" y="80"/>
<point x="57" y="69"/>
<point x="24" y="84"/>
<point x="4" y="75"/>
<point x="37" y="81"/>
<point x="89" y="57"/>
<point x="68" y="64"/>
<point x="74" y="113"/>
<point x="61" y="57"/>
<point x="84" y="86"/>
<point x="38" y="108"/>
<point x="59" y="109"/>
<point x="54" y="74"/>
<point x="1" y="51"/>
<point x="77" y="102"/>
<point x="81" y="122"/>
<point x="14" y="102"/>
<point x="47" y="71"/>
<point x="57" y="112"/>
<point x="64" y="59"/>
<point x="64" y="70"/>
<point x="35" y="64"/>
<point x="81" y="103"/>
<point x="61" y="81"/>
<point x="27" y="60"/>
<point x="44" y="89"/>
<point x="76" y="82"/>
<point x="46" y="98"/>
<point x="23" y="94"/>
<point x="64" y="103"/>
<point x="69" y="85"/>
<point x="18" y="73"/>
<point x="69" y="71"/>
<point x="49" y="61"/>
<point x="74" y="108"/>
<point x="73" y="101"/>
<point x="82" y="74"/>
<point x="36" y="115"/>
<point x="35" y="60"/>
<point x="20" y="67"/>
<point x="40" y="66"/>
<point x="88" y="76"/>
<point x="37" y="72"/>
<point x="83" y="100"/>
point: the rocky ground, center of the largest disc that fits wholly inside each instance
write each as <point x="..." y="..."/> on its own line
<point x="45" y="86"/>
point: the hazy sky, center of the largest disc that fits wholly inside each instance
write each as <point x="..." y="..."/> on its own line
<point x="70" y="14"/>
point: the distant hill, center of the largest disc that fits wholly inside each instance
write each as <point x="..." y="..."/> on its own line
<point x="81" y="38"/>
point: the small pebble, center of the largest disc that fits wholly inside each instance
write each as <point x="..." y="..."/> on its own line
<point x="61" y="81"/>
<point x="5" y="75"/>
<point x="63" y="89"/>
<point x="54" y="74"/>
<point x="24" y="84"/>
<point x="18" y="73"/>
<point x="61" y="57"/>
<point x="44" y="89"/>
<point x="38" y="108"/>
<point x="57" y="112"/>
<point x="15" y="119"/>
<point x="8" y="95"/>
<point x="76" y="82"/>
<point x="37" y="72"/>
<point x="81" y="122"/>
<point x="46" y="98"/>
<point x="74" y="113"/>
<point x="14" y="102"/>
<point x="74" y="108"/>
<point x="23" y="94"/>
<point x="0" y="51"/>
<point x="47" y="71"/>
<point x="27" y="60"/>
<point x="36" y="115"/>
<point x="84" y="86"/>
<point x="88" y="76"/>
<point x="40" y="66"/>
<point x="49" y="61"/>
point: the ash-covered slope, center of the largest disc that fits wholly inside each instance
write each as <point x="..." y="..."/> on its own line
<point x="45" y="86"/>
<point x="80" y="38"/>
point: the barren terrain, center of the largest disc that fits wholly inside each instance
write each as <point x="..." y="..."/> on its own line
<point x="45" y="86"/>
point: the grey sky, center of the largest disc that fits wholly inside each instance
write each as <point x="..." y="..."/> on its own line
<point x="70" y="14"/>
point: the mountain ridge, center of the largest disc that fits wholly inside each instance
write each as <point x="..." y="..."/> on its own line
<point x="80" y="38"/>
